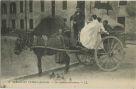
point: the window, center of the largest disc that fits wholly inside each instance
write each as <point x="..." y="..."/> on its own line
<point x="22" y="24"/>
<point x="3" y="8"/>
<point x="121" y="20"/>
<point x="4" y="25"/>
<point x="13" y="8"/>
<point x="21" y="6"/>
<point x="13" y="24"/>
<point x="64" y="3"/>
<point x="81" y="5"/>
<point x="31" y="23"/>
<point x="42" y="6"/>
<point x="123" y="3"/>
<point x="53" y="8"/>
<point x="30" y="6"/>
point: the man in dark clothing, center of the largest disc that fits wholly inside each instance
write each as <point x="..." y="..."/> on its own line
<point x="78" y="21"/>
<point x="107" y="27"/>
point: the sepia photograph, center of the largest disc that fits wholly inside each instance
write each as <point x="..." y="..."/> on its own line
<point x="68" y="44"/>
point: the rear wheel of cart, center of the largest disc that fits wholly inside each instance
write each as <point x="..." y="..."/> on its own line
<point x="109" y="57"/>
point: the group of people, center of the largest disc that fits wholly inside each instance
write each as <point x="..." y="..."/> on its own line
<point x="89" y="34"/>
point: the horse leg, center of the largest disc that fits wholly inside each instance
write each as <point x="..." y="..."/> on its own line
<point x="39" y="65"/>
<point x="67" y="61"/>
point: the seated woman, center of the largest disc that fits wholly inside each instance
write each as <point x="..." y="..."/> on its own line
<point x="90" y="35"/>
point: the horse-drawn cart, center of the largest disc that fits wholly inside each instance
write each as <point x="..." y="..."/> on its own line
<point x="107" y="58"/>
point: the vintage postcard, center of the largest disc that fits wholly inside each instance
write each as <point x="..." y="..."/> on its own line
<point x="68" y="44"/>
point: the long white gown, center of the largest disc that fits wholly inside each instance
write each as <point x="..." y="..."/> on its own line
<point x="90" y="35"/>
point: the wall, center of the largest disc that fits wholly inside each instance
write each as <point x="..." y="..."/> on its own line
<point x="118" y="11"/>
<point x="71" y="7"/>
<point x="37" y="15"/>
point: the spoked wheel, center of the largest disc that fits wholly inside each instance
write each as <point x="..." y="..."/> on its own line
<point x="108" y="57"/>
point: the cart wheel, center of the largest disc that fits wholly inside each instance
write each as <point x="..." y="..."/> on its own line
<point x="84" y="58"/>
<point x="108" y="57"/>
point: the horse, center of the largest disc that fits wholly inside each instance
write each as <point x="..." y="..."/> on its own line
<point x="26" y="41"/>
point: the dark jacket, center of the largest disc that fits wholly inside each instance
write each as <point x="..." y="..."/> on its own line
<point x="78" y="19"/>
<point x="108" y="28"/>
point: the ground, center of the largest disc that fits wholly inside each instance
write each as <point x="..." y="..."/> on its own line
<point x="127" y="70"/>
<point x="25" y="64"/>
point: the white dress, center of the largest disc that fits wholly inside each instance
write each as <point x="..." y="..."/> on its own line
<point x="90" y="35"/>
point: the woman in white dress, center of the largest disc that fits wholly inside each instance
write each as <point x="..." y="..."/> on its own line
<point x="90" y="35"/>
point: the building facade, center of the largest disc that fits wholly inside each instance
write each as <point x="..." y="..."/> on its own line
<point x="118" y="13"/>
<point x="26" y="14"/>
<point x="22" y="15"/>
